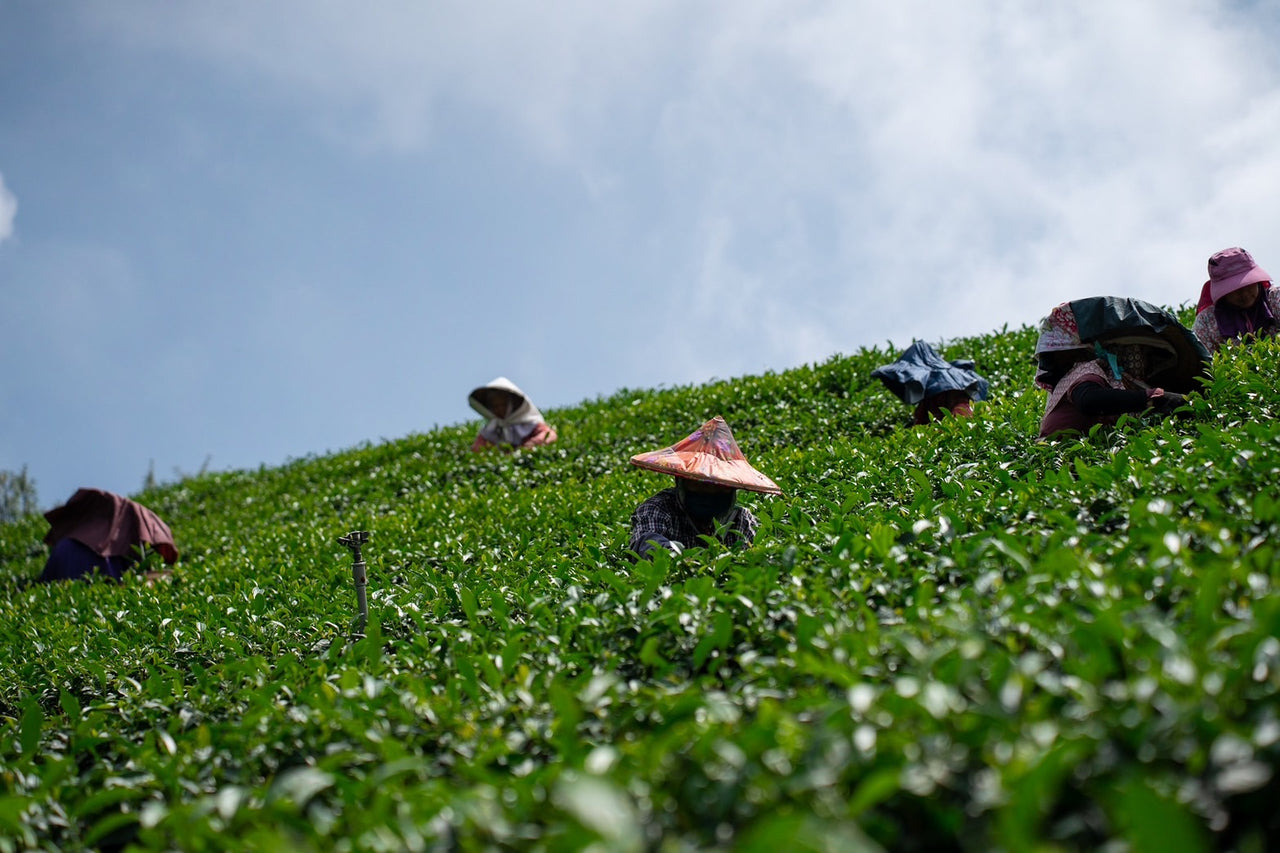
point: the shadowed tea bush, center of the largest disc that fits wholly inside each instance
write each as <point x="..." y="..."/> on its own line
<point x="945" y="638"/>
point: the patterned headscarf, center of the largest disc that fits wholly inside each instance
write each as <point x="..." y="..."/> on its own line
<point x="1058" y="333"/>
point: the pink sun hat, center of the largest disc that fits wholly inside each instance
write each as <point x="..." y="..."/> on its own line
<point x="711" y="455"/>
<point x="1232" y="269"/>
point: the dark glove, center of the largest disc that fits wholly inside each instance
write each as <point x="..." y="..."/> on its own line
<point x="1168" y="402"/>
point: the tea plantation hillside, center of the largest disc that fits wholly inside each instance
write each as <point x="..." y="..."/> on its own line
<point x="949" y="638"/>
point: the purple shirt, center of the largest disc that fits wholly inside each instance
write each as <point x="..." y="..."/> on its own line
<point x="71" y="559"/>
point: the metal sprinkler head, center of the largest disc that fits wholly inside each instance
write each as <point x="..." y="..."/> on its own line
<point x="354" y="540"/>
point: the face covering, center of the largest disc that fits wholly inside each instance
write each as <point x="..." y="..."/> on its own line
<point x="704" y="506"/>
<point x="1234" y="322"/>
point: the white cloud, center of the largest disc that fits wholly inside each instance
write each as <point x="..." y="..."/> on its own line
<point x="994" y="156"/>
<point x="846" y="170"/>
<point x="8" y="211"/>
<point x="383" y="74"/>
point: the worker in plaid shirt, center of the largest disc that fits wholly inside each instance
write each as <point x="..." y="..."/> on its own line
<point x="709" y="470"/>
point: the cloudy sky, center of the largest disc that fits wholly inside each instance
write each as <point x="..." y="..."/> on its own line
<point x="238" y="233"/>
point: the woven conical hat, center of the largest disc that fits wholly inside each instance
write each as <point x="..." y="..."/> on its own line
<point x="711" y="455"/>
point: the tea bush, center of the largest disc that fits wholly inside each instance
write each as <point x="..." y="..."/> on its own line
<point x="955" y="637"/>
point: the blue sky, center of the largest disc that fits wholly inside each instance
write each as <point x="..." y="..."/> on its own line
<point x="244" y="232"/>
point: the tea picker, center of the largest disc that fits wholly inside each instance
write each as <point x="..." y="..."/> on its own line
<point x="709" y="470"/>
<point x="354" y="540"/>
<point x="936" y="387"/>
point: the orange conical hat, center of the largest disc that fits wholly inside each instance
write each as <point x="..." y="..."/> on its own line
<point x="710" y="455"/>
